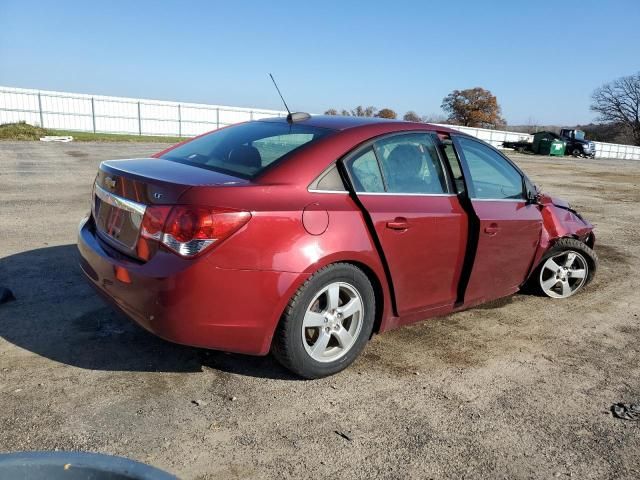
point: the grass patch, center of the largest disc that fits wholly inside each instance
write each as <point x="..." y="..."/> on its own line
<point x="21" y="131"/>
<point x="24" y="131"/>
<point x="116" y="137"/>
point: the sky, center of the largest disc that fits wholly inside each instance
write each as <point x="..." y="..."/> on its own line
<point x="541" y="59"/>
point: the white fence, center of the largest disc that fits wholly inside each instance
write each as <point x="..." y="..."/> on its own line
<point x="96" y="113"/>
<point x="494" y="137"/>
<point x="614" y="150"/>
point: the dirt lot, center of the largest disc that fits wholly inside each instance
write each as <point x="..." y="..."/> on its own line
<point x="518" y="389"/>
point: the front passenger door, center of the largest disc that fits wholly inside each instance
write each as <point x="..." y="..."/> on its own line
<point x="510" y="226"/>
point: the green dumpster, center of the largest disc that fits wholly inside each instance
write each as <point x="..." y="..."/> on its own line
<point x="547" y="143"/>
<point x="543" y="146"/>
<point x="557" y="148"/>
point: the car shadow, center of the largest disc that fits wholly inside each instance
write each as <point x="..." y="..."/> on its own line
<point x="57" y="315"/>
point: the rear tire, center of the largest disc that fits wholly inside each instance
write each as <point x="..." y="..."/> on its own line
<point x="327" y="322"/>
<point x="564" y="270"/>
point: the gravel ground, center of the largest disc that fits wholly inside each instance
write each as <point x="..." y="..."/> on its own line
<point x="520" y="388"/>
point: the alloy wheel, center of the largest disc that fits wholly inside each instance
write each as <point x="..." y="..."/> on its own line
<point x="563" y="274"/>
<point x="332" y="322"/>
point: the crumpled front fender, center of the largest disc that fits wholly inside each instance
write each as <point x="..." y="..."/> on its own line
<point x="559" y="220"/>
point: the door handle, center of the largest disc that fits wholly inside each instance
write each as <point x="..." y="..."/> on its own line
<point x="492" y="229"/>
<point x="399" y="223"/>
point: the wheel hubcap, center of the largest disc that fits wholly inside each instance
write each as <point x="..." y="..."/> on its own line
<point x="332" y="322"/>
<point x="563" y="274"/>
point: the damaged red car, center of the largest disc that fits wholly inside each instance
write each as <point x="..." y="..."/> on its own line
<point x="304" y="236"/>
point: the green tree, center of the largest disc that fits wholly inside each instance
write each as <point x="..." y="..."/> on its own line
<point x="474" y="107"/>
<point x="331" y="111"/>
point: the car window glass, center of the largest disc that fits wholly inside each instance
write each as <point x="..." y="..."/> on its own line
<point x="329" y="180"/>
<point x="492" y="176"/>
<point x="410" y="164"/>
<point x="452" y="159"/>
<point x="272" y="148"/>
<point x="365" y="172"/>
<point x="245" y="149"/>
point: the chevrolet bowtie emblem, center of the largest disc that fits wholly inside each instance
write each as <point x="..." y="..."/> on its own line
<point x="110" y="182"/>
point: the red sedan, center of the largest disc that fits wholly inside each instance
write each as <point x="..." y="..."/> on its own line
<point x="304" y="236"/>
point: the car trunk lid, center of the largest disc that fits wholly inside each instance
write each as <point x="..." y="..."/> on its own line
<point x="125" y="188"/>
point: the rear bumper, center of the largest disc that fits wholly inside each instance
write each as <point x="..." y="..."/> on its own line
<point x="192" y="302"/>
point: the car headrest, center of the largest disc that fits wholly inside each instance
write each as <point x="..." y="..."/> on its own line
<point x="405" y="160"/>
<point x="246" y="155"/>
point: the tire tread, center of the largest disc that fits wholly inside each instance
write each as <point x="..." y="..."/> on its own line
<point x="281" y="339"/>
<point x="562" y="244"/>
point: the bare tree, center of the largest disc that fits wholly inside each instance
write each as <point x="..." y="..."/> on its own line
<point x="434" y="118"/>
<point x="619" y="102"/>
<point x="532" y="125"/>
<point x="361" y="111"/>
<point x="412" y="116"/>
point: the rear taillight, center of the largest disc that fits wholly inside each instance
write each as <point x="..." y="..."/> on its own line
<point x="189" y="230"/>
<point x="153" y="222"/>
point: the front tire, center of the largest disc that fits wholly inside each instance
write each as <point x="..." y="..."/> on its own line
<point x="327" y="322"/>
<point x="565" y="269"/>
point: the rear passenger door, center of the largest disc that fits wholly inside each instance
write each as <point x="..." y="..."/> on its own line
<point x="419" y="222"/>
<point x="509" y="225"/>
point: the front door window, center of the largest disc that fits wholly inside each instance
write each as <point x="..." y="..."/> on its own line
<point x="492" y="177"/>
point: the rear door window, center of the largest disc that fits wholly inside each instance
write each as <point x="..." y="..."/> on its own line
<point x="365" y="172"/>
<point x="410" y="164"/>
<point x="328" y="181"/>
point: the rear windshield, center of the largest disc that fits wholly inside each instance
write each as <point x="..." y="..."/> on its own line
<point x="246" y="149"/>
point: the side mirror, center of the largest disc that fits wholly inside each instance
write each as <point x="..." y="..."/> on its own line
<point x="531" y="191"/>
<point x="532" y="194"/>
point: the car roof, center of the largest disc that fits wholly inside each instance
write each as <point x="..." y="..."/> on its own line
<point x="344" y="122"/>
<point x="302" y="166"/>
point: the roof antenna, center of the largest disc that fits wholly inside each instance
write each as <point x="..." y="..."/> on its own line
<point x="281" y="97"/>
<point x="291" y="117"/>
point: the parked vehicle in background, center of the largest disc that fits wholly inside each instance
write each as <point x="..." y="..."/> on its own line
<point x="549" y="143"/>
<point x="574" y="144"/>
<point x="577" y="145"/>
<point x="543" y="143"/>
<point x="304" y="236"/>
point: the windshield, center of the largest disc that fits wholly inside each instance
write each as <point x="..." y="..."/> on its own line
<point x="579" y="135"/>
<point x="245" y="150"/>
